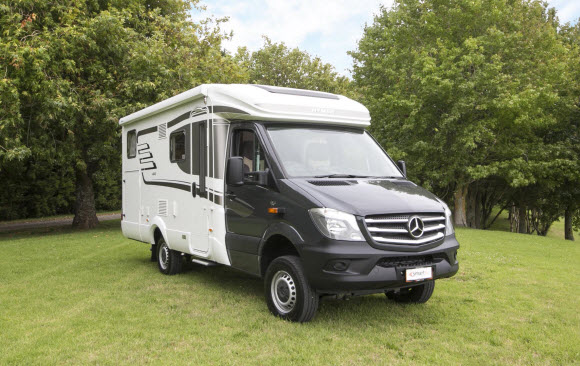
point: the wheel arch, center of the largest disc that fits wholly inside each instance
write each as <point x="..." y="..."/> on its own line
<point x="278" y="240"/>
<point x="157" y="228"/>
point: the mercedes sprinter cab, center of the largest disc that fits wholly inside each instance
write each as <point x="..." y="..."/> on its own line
<point x="286" y="185"/>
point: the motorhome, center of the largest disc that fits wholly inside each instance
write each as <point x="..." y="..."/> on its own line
<point x="284" y="184"/>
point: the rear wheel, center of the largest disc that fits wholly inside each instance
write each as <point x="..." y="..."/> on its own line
<point x="417" y="294"/>
<point x="288" y="293"/>
<point x="168" y="260"/>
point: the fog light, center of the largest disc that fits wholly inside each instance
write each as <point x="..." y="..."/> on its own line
<point x="338" y="265"/>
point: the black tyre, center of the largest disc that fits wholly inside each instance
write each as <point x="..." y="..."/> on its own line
<point x="417" y="294"/>
<point x="169" y="261"/>
<point x="288" y="294"/>
<point x="154" y="253"/>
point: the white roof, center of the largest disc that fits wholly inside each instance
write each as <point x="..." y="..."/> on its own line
<point x="266" y="103"/>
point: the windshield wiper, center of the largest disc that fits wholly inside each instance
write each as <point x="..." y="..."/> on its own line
<point x="341" y="176"/>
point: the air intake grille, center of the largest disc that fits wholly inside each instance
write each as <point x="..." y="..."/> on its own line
<point x="424" y="260"/>
<point x="327" y="183"/>
<point x="162" y="208"/>
<point x="162" y="131"/>
<point x="394" y="228"/>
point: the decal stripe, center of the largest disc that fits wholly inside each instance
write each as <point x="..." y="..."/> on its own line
<point x="183" y="187"/>
<point x="147" y="131"/>
<point x="151" y="167"/>
<point x="181" y="118"/>
<point x="225" y="109"/>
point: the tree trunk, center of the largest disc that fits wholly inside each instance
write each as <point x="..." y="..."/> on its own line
<point x="568" y="231"/>
<point x="523" y="219"/>
<point x="85" y="213"/>
<point x="459" y="198"/>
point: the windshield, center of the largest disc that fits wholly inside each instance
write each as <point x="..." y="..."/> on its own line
<point x="319" y="152"/>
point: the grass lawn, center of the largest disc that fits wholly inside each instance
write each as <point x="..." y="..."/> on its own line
<point x="94" y="297"/>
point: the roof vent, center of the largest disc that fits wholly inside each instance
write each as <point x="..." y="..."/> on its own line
<point x="299" y="92"/>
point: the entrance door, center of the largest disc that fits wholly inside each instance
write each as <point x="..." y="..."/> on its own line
<point x="199" y="204"/>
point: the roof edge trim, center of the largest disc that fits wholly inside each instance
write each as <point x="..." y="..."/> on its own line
<point x="177" y="100"/>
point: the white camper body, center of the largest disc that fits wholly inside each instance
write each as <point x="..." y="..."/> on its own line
<point x="174" y="156"/>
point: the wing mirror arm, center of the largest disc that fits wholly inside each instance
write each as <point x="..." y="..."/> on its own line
<point x="402" y="167"/>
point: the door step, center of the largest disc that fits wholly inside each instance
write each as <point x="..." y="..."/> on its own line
<point x="203" y="262"/>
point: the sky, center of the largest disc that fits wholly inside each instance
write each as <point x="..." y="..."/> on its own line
<point x="324" y="28"/>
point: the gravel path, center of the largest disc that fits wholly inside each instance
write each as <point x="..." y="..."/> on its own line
<point x="7" y="226"/>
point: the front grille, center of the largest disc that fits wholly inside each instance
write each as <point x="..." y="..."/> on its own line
<point x="393" y="228"/>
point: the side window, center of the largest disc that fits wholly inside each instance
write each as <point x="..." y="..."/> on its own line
<point x="131" y="144"/>
<point x="177" y="150"/>
<point x="247" y="145"/>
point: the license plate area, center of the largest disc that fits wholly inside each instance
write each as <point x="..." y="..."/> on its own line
<point x="418" y="274"/>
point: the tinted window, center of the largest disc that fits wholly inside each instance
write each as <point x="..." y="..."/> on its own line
<point x="247" y="146"/>
<point x="131" y="144"/>
<point x="177" y="146"/>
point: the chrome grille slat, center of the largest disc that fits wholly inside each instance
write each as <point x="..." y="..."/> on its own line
<point x="380" y="230"/>
<point x="422" y="240"/>
<point x="386" y="221"/>
<point x="430" y="219"/>
<point x="432" y="228"/>
<point x="392" y="228"/>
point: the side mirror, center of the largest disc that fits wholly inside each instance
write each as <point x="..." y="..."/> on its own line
<point x="403" y="167"/>
<point x="235" y="171"/>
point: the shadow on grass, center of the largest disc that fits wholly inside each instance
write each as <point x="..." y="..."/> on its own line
<point x="367" y="308"/>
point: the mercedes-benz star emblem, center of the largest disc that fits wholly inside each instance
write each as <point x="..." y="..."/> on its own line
<point x="415" y="227"/>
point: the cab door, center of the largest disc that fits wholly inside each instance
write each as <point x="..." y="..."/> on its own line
<point x="247" y="205"/>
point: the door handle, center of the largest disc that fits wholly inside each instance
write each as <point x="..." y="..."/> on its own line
<point x="231" y="195"/>
<point x="193" y="189"/>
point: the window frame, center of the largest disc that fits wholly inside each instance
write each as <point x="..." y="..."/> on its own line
<point x="234" y="145"/>
<point x="132" y="132"/>
<point x="172" y="147"/>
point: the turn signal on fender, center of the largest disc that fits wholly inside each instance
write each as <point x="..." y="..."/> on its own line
<point x="276" y="210"/>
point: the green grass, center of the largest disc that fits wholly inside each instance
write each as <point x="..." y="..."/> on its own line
<point x="94" y="297"/>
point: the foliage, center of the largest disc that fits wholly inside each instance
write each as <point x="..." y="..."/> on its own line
<point x="71" y="70"/>
<point x="472" y="90"/>
<point x="276" y="64"/>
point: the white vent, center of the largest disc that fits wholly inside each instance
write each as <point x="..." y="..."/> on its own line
<point x="162" y="131"/>
<point x="162" y="208"/>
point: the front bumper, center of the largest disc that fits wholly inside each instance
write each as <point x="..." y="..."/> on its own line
<point x="364" y="269"/>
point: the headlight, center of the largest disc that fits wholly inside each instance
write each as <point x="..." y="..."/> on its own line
<point x="336" y="224"/>
<point x="448" y="223"/>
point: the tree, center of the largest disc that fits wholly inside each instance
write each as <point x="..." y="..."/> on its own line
<point x="73" y="68"/>
<point x="276" y="64"/>
<point x="467" y="91"/>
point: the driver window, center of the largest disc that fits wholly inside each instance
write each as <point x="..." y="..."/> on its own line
<point x="247" y="146"/>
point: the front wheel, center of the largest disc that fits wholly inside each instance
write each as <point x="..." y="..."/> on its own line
<point x="288" y="293"/>
<point x="169" y="261"/>
<point x="417" y="294"/>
